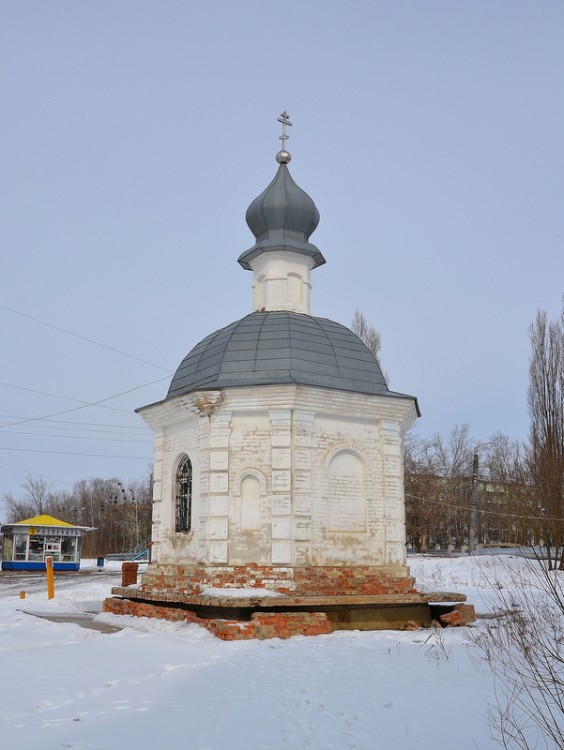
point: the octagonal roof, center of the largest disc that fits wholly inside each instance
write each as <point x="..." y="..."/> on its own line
<point x="279" y="347"/>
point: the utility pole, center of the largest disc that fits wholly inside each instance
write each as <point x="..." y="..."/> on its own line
<point x="473" y="505"/>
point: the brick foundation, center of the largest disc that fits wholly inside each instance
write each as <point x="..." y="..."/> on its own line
<point x="314" y="601"/>
<point x="185" y="580"/>
<point x="261" y="625"/>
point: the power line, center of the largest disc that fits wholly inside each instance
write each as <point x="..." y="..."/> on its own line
<point x="82" y="425"/>
<point x="85" y="406"/>
<point x="43" y="420"/>
<point x="35" y="473"/>
<point x="78" y="431"/>
<point x="69" y="453"/>
<point x="103" y="432"/>
<point x="56" y="395"/>
<point x="84" y="338"/>
<point x="122" y="439"/>
<point x="483" y="511"/>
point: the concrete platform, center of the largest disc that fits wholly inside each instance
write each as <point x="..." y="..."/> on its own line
<point x="284" y="601"/>
<point x="360" y="612"/>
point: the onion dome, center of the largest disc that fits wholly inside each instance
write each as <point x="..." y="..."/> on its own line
<point x="282" y="217"/>
<point x="281" y="346"/>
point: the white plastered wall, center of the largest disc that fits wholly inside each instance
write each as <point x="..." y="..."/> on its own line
<point x="281" y="281"/>
<point x="286" y="475"/>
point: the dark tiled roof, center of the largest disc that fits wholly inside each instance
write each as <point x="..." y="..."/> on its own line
<point x="269" y="348"/>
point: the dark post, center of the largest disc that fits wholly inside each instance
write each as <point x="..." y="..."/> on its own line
<point x="473" y="505"/>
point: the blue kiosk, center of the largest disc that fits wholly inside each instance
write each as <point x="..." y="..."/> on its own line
<point x="27" y="544"/>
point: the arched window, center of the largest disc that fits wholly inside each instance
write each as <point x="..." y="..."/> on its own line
<point x="184" y="495"/>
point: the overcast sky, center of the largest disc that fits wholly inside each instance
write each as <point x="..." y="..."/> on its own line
<point x="135" y="133"/>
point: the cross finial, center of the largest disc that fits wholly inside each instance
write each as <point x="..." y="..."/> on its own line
<point x="283" y="157"/>
<point x="285" y="120"/>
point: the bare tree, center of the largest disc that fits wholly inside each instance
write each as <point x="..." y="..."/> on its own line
<point x="508" y="513"/>
<point x="423" y="506"/>
<point x="367" y="334"/>
<point x="453" y="461"/>
<point x="453" y="454"/>
<point x="119" y="512"/>
<point x="451" y="497"/>
<point x="438" y="484"/>
<point x="546" y="409"/>
<point x="524" y="648"/>
<point x="38" y="499"/>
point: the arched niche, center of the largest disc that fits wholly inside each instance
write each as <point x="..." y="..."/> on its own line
<point x="251" y="487"/>
<point x="345" y="487"/>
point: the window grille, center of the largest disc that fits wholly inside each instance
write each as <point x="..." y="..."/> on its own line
<point x="184" y="495"/>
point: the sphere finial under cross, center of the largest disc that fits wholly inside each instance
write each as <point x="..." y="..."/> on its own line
<point x="283" y="156"/>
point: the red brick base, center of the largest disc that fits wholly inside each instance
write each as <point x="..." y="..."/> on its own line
<point x="261" y="625"/>
<point x="311" y="580"/>
<point x="173" y="592"/>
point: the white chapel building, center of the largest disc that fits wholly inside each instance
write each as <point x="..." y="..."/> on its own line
<point x="278" y="448"/>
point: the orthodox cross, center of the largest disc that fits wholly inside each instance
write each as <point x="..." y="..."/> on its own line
<point x="285" y="120"/>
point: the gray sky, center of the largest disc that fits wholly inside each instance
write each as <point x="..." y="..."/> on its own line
<point x="134" y="134"/>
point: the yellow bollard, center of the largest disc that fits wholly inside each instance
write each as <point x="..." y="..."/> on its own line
<point x="22" y="594"/>
<point x="50" y="577"/>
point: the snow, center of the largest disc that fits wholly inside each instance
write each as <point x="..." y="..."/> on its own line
<point x="154" y="683"/>
<point x="255" y="593"/>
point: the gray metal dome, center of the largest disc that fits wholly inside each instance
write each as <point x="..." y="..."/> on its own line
<point x="282" y="217"/>
<point x="275" y="348"/>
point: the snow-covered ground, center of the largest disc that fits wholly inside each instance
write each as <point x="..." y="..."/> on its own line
<point x="155" y="685"/>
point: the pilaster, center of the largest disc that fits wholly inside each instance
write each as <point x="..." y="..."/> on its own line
<point x="392" y="490"/>
<point x="302" y="451"/>
<point x="160" y="451"/>
<point x="218" y="500"/>
<point x="281" y="441"/>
